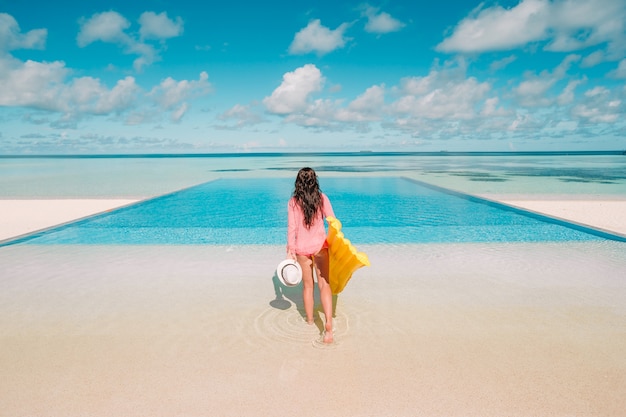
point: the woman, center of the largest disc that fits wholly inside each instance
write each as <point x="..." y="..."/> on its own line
<point x="306" y="243"/>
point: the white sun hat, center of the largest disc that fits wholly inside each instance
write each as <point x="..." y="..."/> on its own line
<point x="289" y="272"/>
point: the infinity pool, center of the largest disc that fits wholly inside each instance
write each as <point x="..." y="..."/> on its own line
<point x="373" y="210"/>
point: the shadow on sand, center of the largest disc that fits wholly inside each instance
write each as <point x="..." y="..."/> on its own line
<point x="286" y="296"/>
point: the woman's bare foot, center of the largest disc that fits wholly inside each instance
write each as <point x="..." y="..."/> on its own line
<point x="328" y="336"/>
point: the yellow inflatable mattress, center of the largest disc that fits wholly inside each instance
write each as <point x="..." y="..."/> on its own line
<point x="344" y="258"/>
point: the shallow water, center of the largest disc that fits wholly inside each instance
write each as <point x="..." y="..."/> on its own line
<point x="454" y="329"/>
<point x="81" y="283"/>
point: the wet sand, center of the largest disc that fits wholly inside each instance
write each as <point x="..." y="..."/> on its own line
<point x="459" y="330"/>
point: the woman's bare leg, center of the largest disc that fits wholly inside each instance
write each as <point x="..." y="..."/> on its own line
<point x="307" y="286"/>
<point x="326" y="296"/>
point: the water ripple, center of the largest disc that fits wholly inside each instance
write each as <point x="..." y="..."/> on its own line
<point x="289" y="327"/>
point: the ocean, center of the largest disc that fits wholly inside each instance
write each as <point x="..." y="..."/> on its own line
<point x="142" y="176"/>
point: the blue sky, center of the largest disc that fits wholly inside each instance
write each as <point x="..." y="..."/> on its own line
<point x="248" y="76"/>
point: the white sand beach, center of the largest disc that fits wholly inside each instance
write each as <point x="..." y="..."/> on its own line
<point x="600" y="213"/>
<point x="459" y="330"/>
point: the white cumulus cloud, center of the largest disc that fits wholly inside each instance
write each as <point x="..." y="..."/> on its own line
<point x="365" y="108"/>
<point x="112" y="27"/>
<point x="455" y="101"/>
<point x="318" y="113"/>
<point x="319" y="39"/>
<point x="12" y="38"/>
<point x="105" y="27"/>
<point x="620" y="71"/>
<point x="178" y="113"/>
<point x="502" y="63"/>
<point x="118" y="99"/>
<point x="578" y="24"/>
<point x="43" y="86"/>
<point x="31" y="84"/>
<point x="567" y="95"/>
<point x="292" y="95"/>
<point x="593" y="59"/>
<point x="171" y="92"/>
<point x="173" y="95"/>
<point x="380" y="22"/>
<point x="533" y="91"/>
<point x="440" y="95"/>
<point x="293" y="99"/>
<point x="243" y="115"/>
<point x="159" y="26"/>
<point x="491" y="108"/>
<point x="564" y="25"/>
<point x="497" y="28"/>
<point x="47" y="86"/>
<point x="599" y="106"/>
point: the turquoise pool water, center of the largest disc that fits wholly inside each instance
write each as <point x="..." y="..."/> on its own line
<point x="373" y="210"/>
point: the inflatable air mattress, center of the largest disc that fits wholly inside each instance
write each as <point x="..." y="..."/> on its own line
<point x="344" y="258"/>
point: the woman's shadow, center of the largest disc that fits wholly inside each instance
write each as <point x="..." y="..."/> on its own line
<point x="286" y="296"/>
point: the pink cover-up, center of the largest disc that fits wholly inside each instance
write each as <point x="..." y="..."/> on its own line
<point x="301" y="240"/>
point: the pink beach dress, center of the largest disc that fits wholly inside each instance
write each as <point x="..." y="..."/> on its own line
<point x="303" y="241"/>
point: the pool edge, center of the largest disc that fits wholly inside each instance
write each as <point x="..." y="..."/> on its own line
<point x="581" y="227"/>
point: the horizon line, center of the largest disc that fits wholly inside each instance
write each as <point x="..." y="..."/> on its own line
<point x="323" y="153"/>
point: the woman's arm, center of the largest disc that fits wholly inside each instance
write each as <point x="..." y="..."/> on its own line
<point x="291" y="229"/>
<point x="328" y="208"/>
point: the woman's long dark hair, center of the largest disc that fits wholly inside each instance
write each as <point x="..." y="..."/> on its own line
<point x="308" y="194"/>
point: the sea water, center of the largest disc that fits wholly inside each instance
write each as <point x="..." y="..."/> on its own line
<point x="144" y="176"/>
